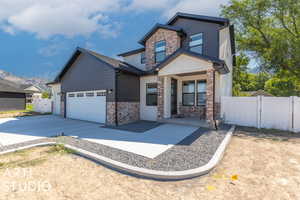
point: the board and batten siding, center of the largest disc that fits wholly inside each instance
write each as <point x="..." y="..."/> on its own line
<point x="210" y="34"/>
<point x="12" y="101"/>
<point x="88" y="74"/>
<point x="128" y="87"/>
<point x="147" y="112"/>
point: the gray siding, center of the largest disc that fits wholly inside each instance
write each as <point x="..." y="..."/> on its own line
<point x="87" y="73"/>
<point x="210" y="34"/>
<point x="128" y="88"/>
<point x="12" y="101"/>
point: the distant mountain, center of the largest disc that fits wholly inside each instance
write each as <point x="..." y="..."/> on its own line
<point x="21" y="81"/>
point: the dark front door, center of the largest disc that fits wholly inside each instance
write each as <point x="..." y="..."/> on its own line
<point x="173" y="96"/>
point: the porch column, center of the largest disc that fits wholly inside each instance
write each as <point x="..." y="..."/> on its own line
<point x="160" y="98"/>
<point x="210" y="95"/>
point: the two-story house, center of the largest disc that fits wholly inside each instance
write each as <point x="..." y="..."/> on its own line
<point x="181" y="71"/>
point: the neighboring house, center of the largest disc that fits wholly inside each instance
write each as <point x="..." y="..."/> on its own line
<point x="182" y="70"/>
<point x="11" y="97"/>
<point x="35" y="92"/>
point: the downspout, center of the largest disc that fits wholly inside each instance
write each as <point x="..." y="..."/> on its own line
<point x="214" y="88"/>
<point x="116" y="97"/>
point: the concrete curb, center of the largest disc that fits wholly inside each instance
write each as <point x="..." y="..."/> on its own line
<point x="148" y="173"/>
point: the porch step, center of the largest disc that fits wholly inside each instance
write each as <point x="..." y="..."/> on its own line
<point x="187" y="121"/>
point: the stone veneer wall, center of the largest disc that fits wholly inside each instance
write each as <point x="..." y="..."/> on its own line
<point x="160" y="98"/>
<point x="192" y="111"/>
<point x="110" y="113"/>
<point x="210" y="95"/>
<point x="173" y="42"/>
<point x="127" y="112"/>
<point x="217" y="110"/>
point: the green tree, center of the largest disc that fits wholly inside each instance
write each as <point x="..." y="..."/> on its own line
<point x="270" y="31"/>
<point x="46" y="95"/>
<point x="283" y="86"/>
<point x="239" y="74"/>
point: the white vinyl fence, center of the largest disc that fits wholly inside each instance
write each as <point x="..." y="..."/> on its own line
<point x="296" y="117"/>
<point x="262" y="112"/>
<point x="42" y="105"/>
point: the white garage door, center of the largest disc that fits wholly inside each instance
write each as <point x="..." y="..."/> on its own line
<point x="88" y="105"/>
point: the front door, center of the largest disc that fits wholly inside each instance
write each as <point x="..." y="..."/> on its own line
<point x="173" y="96"/>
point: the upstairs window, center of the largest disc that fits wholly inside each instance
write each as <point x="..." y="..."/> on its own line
<point x="196" y="43"/>
<point x="151" y="94"/>
<point x="143" y="58"/>
<point x="201" y="92"/>
<point x="160" y="51"/>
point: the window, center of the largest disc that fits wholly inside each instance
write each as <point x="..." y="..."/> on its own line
<point x="188" y="93"/>
<point x="71" y="95"/>
<point x="143" y="58"/>
<point x="160" y="51"/>
<point x="101" y="94"/>
<point x="196" y="43"/>
<point x="80" y="94"/>
<point x="201" y="93"/>
<point x="151" y="94"/>
<point x="89" y="94"/>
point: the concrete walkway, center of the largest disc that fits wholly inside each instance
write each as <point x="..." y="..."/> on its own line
<point x="149" y="144"/>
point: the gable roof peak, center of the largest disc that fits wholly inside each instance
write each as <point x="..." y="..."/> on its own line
<point x="218" y="20"/>
<point x="158" y="26"/>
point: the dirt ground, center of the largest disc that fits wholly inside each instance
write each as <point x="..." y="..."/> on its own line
<point x="254" y="167"/>
<point x="18" y="113"/>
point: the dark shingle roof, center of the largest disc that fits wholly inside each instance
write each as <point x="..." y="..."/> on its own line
<point x="157" y="26"/>
<point x="218" y="20"/>
<point x="117" y="64"/>
<point x="114" y="63"/>
<point x="135" y="51"/>
<point x="7" y="86"/>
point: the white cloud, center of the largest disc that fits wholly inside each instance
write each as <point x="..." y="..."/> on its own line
<point x="142" y="5"/>
<point x="48" y="18"/>
<point x="70" y="18"/>
<point x="52" y="49"/>
<point x="200" y="7"/>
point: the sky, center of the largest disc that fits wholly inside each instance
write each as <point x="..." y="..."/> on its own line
<point x="37" y="37"/>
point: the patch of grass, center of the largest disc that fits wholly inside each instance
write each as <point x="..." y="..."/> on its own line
<point x="29" y="107"/>
<point x="60" y="148"/>
<point x="14" y="111"/>
<point x="22" y="153"/>
<point x="22" y="163"/>
<point x="32" y="163"/>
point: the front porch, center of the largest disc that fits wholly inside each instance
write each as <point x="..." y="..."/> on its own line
<point x="187" y="98"/>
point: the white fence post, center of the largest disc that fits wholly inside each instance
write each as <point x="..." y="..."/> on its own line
<point x="296" y="114"/>
<point x="259" y="111"/>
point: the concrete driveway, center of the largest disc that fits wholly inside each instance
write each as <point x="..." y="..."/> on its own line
<point x="149" y="144"/>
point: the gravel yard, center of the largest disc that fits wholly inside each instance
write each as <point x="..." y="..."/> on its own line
<point x="255" y="166"/>
<point x="192" y="152"/>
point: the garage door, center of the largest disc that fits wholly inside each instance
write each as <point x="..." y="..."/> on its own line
<point x="88" y="105"/>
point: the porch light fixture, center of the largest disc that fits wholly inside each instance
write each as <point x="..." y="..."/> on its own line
<point x="110" y="91"/>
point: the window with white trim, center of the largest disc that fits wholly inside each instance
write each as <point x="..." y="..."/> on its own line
<point x="188" y="93"/>
<point x="143" y="58"/>
<point x="201" y="92"/>
<point x="151" y="94"/>
<point x="160" y="51"/>
<point x="196" y="43"/>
